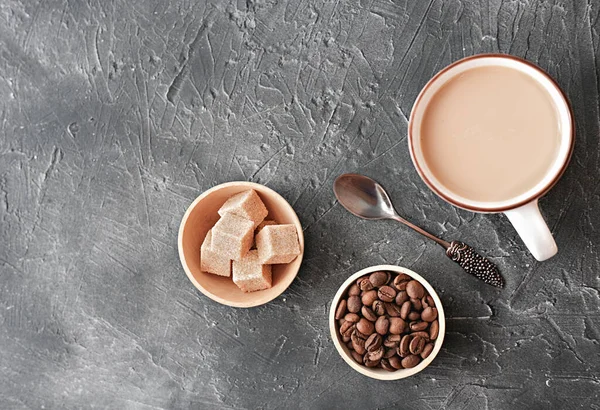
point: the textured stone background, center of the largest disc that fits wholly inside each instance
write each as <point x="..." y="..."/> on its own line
<point x="115" y="115"/>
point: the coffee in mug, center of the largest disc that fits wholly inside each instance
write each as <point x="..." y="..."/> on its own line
<point x="493" y="133"/>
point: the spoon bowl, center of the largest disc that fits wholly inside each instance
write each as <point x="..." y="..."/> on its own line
<point x="363" y="197"/>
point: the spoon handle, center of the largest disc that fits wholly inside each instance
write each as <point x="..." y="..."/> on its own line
<point x="464" y="255"/>
<point x="474" y="263"/>
<point x="441" y="242"/>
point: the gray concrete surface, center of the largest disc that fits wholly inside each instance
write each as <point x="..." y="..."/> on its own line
<point x="115" y="115"/>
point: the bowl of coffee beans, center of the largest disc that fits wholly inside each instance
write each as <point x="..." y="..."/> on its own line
<point x="387" y="322"/>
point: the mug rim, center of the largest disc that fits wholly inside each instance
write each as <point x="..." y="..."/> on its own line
<point x="493" y="209"/>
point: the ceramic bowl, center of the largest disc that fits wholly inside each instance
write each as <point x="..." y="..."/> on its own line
<point x="376" y="373"/>
<point x="201" y="216"/>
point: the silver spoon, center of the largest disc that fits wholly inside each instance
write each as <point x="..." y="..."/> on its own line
<point x="365" y="198"/>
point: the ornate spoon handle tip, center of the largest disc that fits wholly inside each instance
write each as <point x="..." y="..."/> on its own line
<point x="474" y="263"/>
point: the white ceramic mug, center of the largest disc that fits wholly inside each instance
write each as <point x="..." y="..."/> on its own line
<point x="522" y="211"/>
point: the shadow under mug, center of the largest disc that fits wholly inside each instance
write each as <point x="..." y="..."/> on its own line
<point x="522" y="211"/>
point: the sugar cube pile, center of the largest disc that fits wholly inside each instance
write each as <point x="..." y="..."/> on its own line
<point x="228" y="249"/>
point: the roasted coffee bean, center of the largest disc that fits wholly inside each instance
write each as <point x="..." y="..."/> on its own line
<point x="352" y="317"/>
<point x="349" y="330"/>
<point x="403" y="277"/>
<point x="354" y="290"/>
<point x="368" y="297"/>
<point x="346" y="339"/>
<point x="427" y="350"/>
<point x="386" y="293"/>
<point x="368" y="313"/>
<point x="361" y="335"/>
<point x="434" y="329"/>
<point x="418" y="326"/>
<point x="401" y="297"/>
<point x="401" y="280"/>
<point x="402" y="285"/>
<point x="404" y="347"/>
<point x="395" y="361"/>
<point x="376" y="354"/>
<point x="397" y="325"/>
<point x="365" y="327"/>
<point x="370" y="363"/>
<point x="378" y="307"/>
<point x="373" y="342"/>
<point x="358" y="347"/>
<point x="382" y="325"/>
<point x="379" y="278"/>
<point x="404" y="310"/>
<point x="345" y="326"/>
<point x="429" y="314"/>
<point x="415" y="290"/>
<point x="349" y="345"/>
<point x="341" y="322"/>
<point x="357" y="357"/>
<point x="392" y="309"/>
<point x="389" y="353"/>
<point x="341" y="309"/>
<point x="416" y="345"/>
<point x="410" y="361"/>
<point x="358" y="335"/>
<point x="385" y="364"/>
<point x="392" y="341"/>
<point x="416" y="303"/>
<point x="388" y="278"/>
<point x="358" y="344"/>
<point x="424" y="302"/>
<point x="422" y="333"/>
<point x="364" y="284"/>
<point x="430" y="301"/>
<point x="354" y="304"/>
<point x="412" y="316"/>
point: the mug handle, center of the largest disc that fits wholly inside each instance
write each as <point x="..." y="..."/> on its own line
<point x="533" y="230"/>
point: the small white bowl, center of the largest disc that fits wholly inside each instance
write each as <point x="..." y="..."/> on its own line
<point x="377" y="373"/>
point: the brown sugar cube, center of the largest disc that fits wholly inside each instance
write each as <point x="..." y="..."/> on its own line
<point x="211" y="261"/>
<point x="277" y="244"/>
<point x="246" y="204"/>
<point x="250" y="275"/>
<point x="264" y="223"/>
<point x="232" y="236"/>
